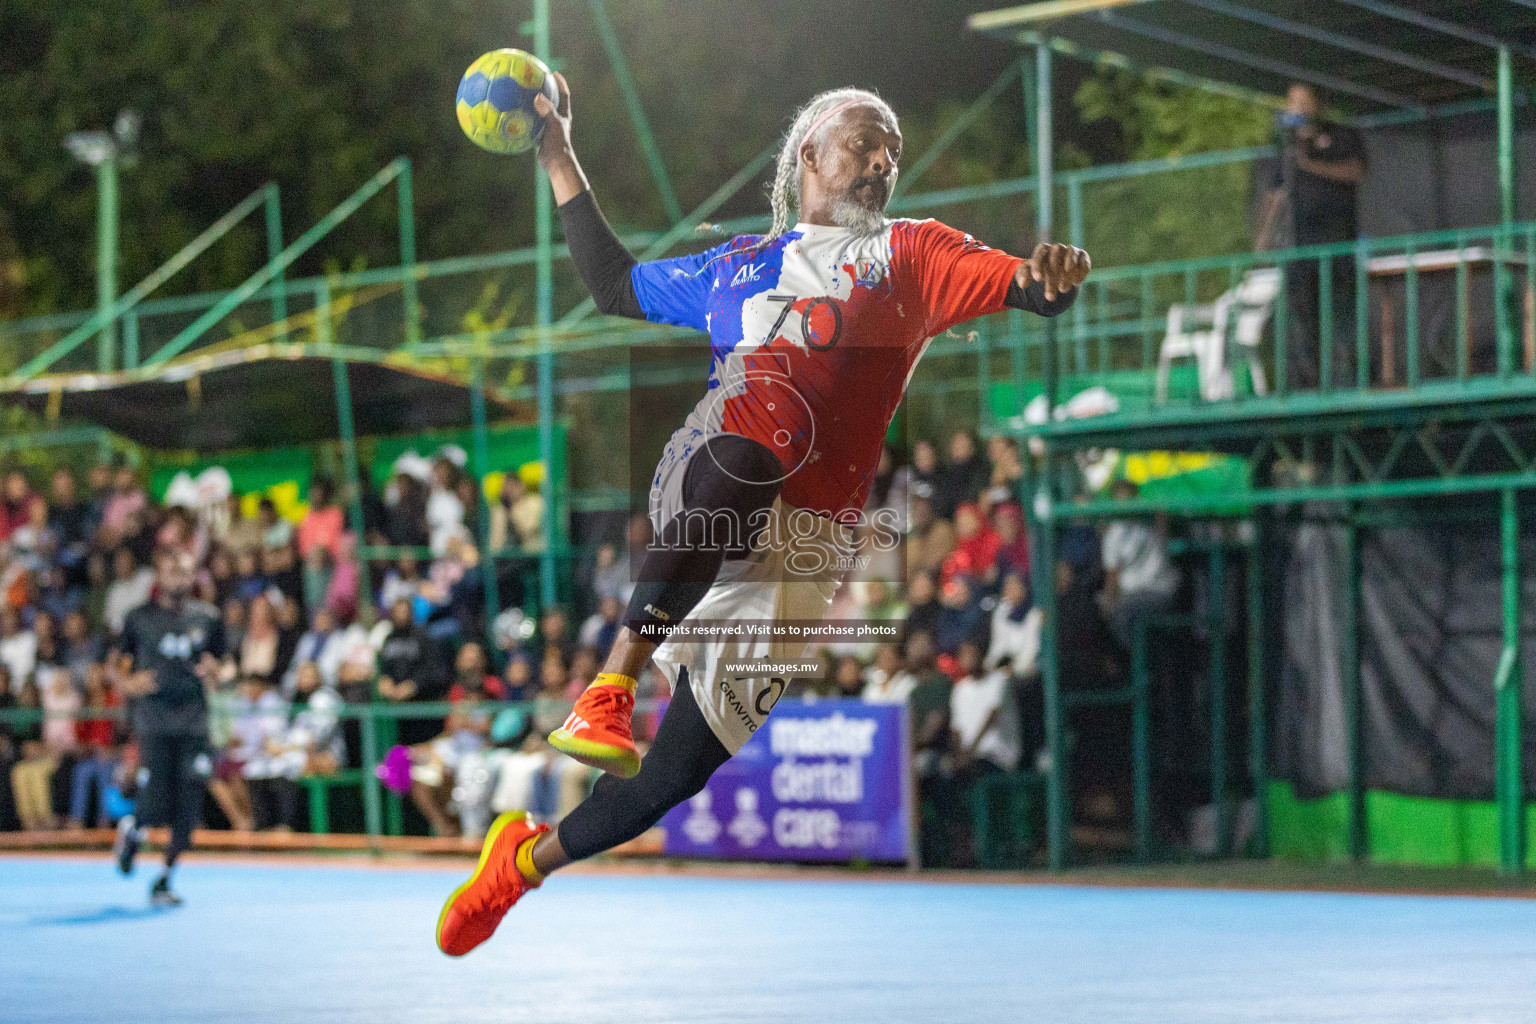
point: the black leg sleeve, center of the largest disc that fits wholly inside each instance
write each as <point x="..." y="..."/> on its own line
<point x="186" y="804"/>
<point x="729" y="488"/>
<point x="683" y="757"/>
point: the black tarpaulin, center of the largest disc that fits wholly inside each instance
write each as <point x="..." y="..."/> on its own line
<point x="254" y="399"/>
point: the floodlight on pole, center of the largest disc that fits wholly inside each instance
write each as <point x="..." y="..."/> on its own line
<point x="103" y="152"/>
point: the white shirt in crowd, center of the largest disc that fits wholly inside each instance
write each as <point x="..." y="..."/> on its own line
<point x="971" y="702"/>
<point x="1137" y="551"/>
<point x="1018" y="641"/>
<point x="445" y="517"/>
<point x="888" y="689"/>
<point x="123" y="596"/>
<point x="19" y="653"/>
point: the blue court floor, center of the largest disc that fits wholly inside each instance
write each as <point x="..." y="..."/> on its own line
<point x="342" y="944"/>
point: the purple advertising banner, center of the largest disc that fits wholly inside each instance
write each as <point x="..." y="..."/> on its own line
<point x="822" y="781"/>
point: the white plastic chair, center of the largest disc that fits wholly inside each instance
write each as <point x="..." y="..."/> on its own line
<point x="1209" y="332"/>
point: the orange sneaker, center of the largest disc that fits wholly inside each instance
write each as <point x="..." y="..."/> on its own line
<point x="597" y="732"/>
<point x="475" y="909"/>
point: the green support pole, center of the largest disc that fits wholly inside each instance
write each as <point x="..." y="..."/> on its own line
<point x="482" y="466"/>
<point x="1045" y="195"/>
<point x="1350" y="637"/>
<point x="342" y="384"/>
<point x="1217" y="624"/>
<point x="407" y="200"/>
<point x="642" y="124"/>
<point x="544" y="204"/>
<point x="1141" y="757"/>
<point x="1508" y="779"/>
<point x="1258" y="723"/>
<point x="131" y="340"/>
<point x="984" y="373"/>
<point x="1503" y="290"/>
<point x="1080" y="308"/>
<point x="274" y="212"/>
<point x="106" y="258"/>
<point x="373" y="794"/>
<point x="1039" y="507"/>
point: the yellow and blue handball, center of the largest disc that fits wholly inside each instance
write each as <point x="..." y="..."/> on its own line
<point x="495" y="103"/>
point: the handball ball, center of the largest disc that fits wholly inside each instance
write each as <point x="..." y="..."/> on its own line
<point x="495" y="103"/>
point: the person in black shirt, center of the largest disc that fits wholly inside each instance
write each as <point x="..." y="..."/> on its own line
<point x="1311" y="201"/>
<point x="410" y="669"/>
<point x="169" y="649"/>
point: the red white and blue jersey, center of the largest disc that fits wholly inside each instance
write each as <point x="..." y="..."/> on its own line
<point x="815" y="337"/>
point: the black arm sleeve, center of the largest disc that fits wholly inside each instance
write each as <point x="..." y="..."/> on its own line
<point x="600" y="258"/>
<point x="1032" y="299"/>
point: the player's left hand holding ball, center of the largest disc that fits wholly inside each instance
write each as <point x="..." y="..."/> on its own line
<point x="1059" y="268"/>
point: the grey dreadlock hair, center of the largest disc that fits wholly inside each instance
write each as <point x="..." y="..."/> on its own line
<point x="785" y="190"/>
<point x="786" y="181"/>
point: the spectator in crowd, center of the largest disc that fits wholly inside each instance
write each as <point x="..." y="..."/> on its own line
<point x="599" y="631"/>
<point x="97" y="583"/>
<point x="32" y="772"/>
<point x="276" y="532"/>
<point x="847" y="678"/>
<point x="1310" y="200"/>
<point x="963" y="477"/>
<point x="323" y="521"/>
<point x="1016" y="622"/>
<point x="976" y="546"/>
<point x="99" y="740"/>
<point x="18" y="646"/>
<point x="472" y="678"/>
<point x="518" y="516"/>
<point x="888" y="491"/>
<point x="315" y="646"/>
<point x="119" y="518"/>
<point x="81" y="649"/>
<point x="610" y="574"/>
<point x="887" y="680"/>
<point x="1139" y="579"/>
<point x="923" y="608"/>
<point x="930" y="540"/>
<point x="923" y="477"/>
<point x="260" y="720"/>
<point x="1012" y="544"/>
<point x="960" y="616"/>
<point x="517" y="679"/>
<point x="16" y="504"/>
<point x="445" y="512"/>
<point x="984" y="740"/>
<point x="236" y="531"/>
<point x="259" y="653"/>
<point x="132" y="582"/>
<point x="409" y="670"/>
<point x="434" y="764"/>
<point x="1006" y="469"/>
<point x="403" y="580"/>
<point x="405" y="511"/>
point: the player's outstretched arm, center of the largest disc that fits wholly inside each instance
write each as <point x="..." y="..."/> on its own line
<point x="601" y="259"/>
<point x="1046" y="283"/>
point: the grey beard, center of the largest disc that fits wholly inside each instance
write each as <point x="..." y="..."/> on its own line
<point x="857" y="217"/>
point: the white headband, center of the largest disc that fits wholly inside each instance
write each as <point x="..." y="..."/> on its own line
<point x="824" y="118"/>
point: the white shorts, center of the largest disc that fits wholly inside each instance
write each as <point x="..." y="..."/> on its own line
<point x="792" y="574"/>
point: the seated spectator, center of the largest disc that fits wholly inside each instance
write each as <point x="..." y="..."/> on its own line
<point x="930" y="540"/>
<point x="405" y="511"/>
<point x="888" y="492"/>
<point x="312" y="743"/>
<point x="32" y="772"/>
<point x="848" y="678"/>
<point x="342" y="595"/>
<point x="435" y="763"/>
<point x="57" y="596"/>
<point x="962" y="478"/>
<point x="555" y="633"/>
<point x="33" y="542"/>
<point x="100" y="741"/>
<point x="517" y="679"/>
<point x="226" y="783"/>
<point x="961" y="618"/>
<point x="235" y="530"/>
<point x="132" y="583"/>
<point x="126" y="502"/>
<point x="602" y="628"/>
<point x="409" y="670"/>
<point x="61" y="705"/>
<point x="923" y="610"/>
<point x="887" y="681"/>
<point x="984" y="740"/>
<point x="1138" y="577"/>
<point x="260" y="720"/>
<point x="70" y="518"/>
<point x="276" y="532"/>
<point x="1013" y="544"/>
<point x="472" y="677"/>
<point x="976" y="546"/>
<point x="316" y="569"/>
<point x="18" y="646"/>
<point x="517" y="517"/>
<point x="313" y="647"/>
<point x="1016" y="624"/>
<point x="403" y="580"/>
<point x="1006" y="469"/>
<point x="610" y="574"/>
<point x="283" y="574"/>
<point x="248" y="581"/>
<point x="923" y="478"/>
<point x="81" y="649"/>
<point x="259" y="653"/>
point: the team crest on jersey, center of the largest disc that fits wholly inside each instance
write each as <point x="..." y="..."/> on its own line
<point x="868" y="273"/>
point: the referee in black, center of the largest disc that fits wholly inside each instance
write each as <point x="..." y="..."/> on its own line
<point x="169" y="648"/>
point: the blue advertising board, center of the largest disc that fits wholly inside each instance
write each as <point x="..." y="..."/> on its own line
<point x="822" y="781"/>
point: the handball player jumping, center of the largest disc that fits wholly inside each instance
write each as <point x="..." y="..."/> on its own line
<point x="815" y="329"/>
